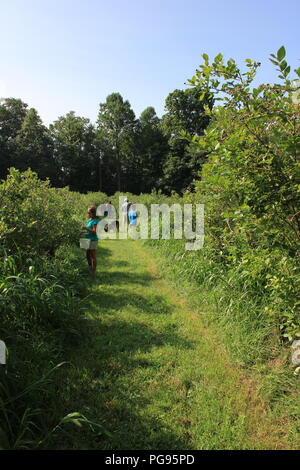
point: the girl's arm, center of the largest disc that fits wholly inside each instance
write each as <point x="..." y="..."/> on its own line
<point x="92" y="230"/>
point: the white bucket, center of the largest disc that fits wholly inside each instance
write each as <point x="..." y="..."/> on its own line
<point x="84" y="243"/>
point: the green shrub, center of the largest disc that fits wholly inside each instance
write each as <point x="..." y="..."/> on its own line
<point x="35" y="217"/>
<point x="250" y="186"/>
<point x="40" y="301"/>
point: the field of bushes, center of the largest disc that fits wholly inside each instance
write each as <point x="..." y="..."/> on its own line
<point x="43" y="280"/>
<point x="246" y="275"/>
<point x="41" y="314"/>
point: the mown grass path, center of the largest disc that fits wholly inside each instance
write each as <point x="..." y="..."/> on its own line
<point x="151" y="373"/>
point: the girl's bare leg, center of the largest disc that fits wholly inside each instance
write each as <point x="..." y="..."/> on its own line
<point x="89" y="259"/>
<point x="93" y="261"/>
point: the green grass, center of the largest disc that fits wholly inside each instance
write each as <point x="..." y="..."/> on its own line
<point x="41" y="320"/>
<point x="151" y="374"/>
<point x="253" y="343"/>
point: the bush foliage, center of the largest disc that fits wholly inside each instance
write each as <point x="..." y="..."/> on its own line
<point x="250" y="188"/>
<point x="40" y="310"/>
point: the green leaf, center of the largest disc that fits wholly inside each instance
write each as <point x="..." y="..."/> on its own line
<point x="281" y="53"/>
<point x="206" y="58"/>
<point x="297" y="71"/>
<point x="218" y="58"/>
<point x="283" y="65"/>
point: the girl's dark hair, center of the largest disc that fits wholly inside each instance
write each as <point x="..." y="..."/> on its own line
<point x="92" y="210"/>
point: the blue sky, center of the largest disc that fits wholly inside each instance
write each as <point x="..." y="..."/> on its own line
<point x="62" y="55"/>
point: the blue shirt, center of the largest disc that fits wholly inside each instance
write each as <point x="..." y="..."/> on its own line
<point x="132" y="217"/>
<point x="90" y="224"/>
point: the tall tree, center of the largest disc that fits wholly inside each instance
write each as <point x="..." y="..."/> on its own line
<point x="74" y="151"/>
<point x="12" y="113"/>
<point x="152" y="150"/>
<point x="116" y="120"/>
<point x="34" y="146"/>
<point x="105" y="175"/>
<point x="185" y="112"/>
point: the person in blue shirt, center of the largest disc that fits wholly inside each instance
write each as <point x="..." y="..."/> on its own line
<point x="132" y="216"/>
<point x="89" y="230"/>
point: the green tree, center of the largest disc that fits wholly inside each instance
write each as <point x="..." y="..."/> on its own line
<point x="185" y="112"/>
<point x="74" y="151"/>
<point x="152" y="147"/>
<point x="12" y="113"/>
<point x="116" y="121"/>
<point x="34" y="146"/>
<point x="105" y="175"/>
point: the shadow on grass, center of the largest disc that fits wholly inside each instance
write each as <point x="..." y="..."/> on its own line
<point x="108" y="378"/>
<point x="117" y="337"/>
<point x="109" y="303"/>
<point x="118" y="277"/>
<point x="109" y="382"/>
<point x="103" y="256"/>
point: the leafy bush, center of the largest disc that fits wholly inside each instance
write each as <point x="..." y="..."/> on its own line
<point x="34" y="217"/>
<point x="41" y="317"/>
<point x="40" y="308"/>
<point x="250" y="184"/>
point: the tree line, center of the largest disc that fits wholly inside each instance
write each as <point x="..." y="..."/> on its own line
<point x="118" y="153"/>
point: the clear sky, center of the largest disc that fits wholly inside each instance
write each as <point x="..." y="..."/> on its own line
<point x="62" y="55"/>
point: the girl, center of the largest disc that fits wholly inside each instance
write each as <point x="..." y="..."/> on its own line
<point x="90" y="228"/>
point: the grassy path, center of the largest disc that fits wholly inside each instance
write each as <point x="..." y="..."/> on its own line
<point x="152" y="374"/>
